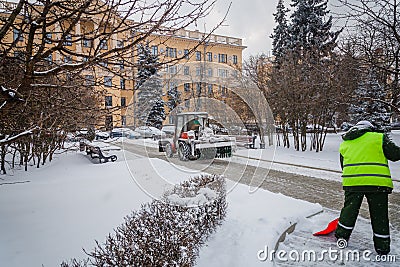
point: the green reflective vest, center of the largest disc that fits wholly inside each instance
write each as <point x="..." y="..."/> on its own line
<point x="364" y="163"/>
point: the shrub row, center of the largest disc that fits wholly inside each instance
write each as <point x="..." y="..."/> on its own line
<point x="165" y="232"/>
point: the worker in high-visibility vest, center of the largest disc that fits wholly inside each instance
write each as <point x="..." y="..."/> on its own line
<point x="364" y="155"/>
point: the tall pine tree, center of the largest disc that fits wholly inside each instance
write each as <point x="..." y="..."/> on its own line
<point x="149" y="104"/>
<point x="173" y="96"/>
<point x="367" y="107"/>
<point x="309" y="31"/>
<point x="280" y="35"/>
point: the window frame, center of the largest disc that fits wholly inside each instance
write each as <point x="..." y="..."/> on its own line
<point x="107" y="81"/>
<point x="108" y="100"/>
<point x="198" y="56"/>
<point x="209" y="56"/>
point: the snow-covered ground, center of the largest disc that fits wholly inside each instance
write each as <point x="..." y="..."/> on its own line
<point x="66" y="205"/>
<point x="50" y="214"/>
<point x="289" y="160"/>
<point x="324" y="164"/>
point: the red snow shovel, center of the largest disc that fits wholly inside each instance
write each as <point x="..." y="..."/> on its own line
<point x="329" y="229"/>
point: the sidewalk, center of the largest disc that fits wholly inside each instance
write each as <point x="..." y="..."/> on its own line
<point x="360" y="242"/>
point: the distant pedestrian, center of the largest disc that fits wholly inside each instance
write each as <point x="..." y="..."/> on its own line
<point x="364" y="155"/>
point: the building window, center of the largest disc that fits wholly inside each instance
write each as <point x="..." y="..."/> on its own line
<point x="172" y="69"/>
<point x="85" y="59"/>
<point x="186" y="53"/>
<point x="104" y="63"/>
<point x="186" y="87"/>
<point x="198" y="88"/>
<point x="209" y="57"/>
<point x="123" y="101"/>
<point x="198" y="71"/>
<point x="107" y="81"/>
<point x="223" y="90"/>
<point x="123" y="120"/>
<point x="49" y="58"/>
<point x="67" y="59"/>
<point x="108" y="101"/>
<point x="122" y="83"/>
<point x="222" y="58"/>
<point x="89" y="80"/>
<point x="187" y="103"/>
<point x="121" y="64"/>
<point x="209" y="72"/>
<point x="154" y="50"/>
<point x="103" y="45"/>
<point x="120" y="44"/>
<point x="68" y="40"/>
<point x="86" y="43"/>
<point x="17" y="35"/>
<point x="171" y="52"/>
<point x="198" y="55"/>
<point x="235" y="73"/>
<point x="186" y="70"/>
<point x="223" y="73"/>
<point x="235" y="59"/>
<point x="210" y="88"/>
<point x="48" y="37"/>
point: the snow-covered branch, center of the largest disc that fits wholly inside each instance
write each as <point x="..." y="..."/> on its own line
<point x="11" y="138"/>
<point x="386" y="103"/>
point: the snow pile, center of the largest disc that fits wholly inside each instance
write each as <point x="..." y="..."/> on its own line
<point x="196" y="191"/>
<point x="161" y="234"/>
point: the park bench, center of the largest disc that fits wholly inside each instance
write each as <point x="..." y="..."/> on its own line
<point x="95" y="152"/>
<point x="245" y="141"/>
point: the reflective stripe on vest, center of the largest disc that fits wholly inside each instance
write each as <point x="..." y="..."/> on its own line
<point x="364" y="163"/>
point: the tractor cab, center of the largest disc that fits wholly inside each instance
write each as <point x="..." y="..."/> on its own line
<point x="190" y="121"/>
<point x="193" y="139"/>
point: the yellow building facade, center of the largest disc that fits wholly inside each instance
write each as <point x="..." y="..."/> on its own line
<point x="194" y="67"/>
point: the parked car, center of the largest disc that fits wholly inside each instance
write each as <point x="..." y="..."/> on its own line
<point x="85" y="133"/>
<point x="124" y="132"/>
<point x="168" y="129"/>
<point x="100" y="135"/>
<point x="150" y="132"/>
<point x="395" y="126"/>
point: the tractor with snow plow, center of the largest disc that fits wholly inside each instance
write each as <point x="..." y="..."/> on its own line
<point x="194" y="139"/>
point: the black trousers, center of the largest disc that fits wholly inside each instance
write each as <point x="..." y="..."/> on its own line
<point x="378" y="210"/>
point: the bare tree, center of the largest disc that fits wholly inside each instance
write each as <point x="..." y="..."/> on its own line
<point x="374" y="30"/>
<point x="51" y="55"/>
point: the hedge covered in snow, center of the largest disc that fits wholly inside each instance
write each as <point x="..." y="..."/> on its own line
<point x="166" y="232"/>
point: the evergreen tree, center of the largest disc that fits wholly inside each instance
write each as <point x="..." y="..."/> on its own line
<point x="149" y="106"/>
<point x="147" y="64"/>
<point x="157" y="114"/>
<point x="280" y="35"/>
<point x="308" y="30"/>
<point x="174" y="97"/>
<point x="367" y="107"/>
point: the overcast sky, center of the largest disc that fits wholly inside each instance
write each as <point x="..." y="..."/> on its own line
<point x="251" y="20"/>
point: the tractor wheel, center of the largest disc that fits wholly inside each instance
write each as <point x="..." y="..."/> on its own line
<point x="168" y="150"/>
<point x="183" y="151"/>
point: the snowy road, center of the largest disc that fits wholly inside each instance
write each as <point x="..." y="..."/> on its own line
<point x="328" y="193"/>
